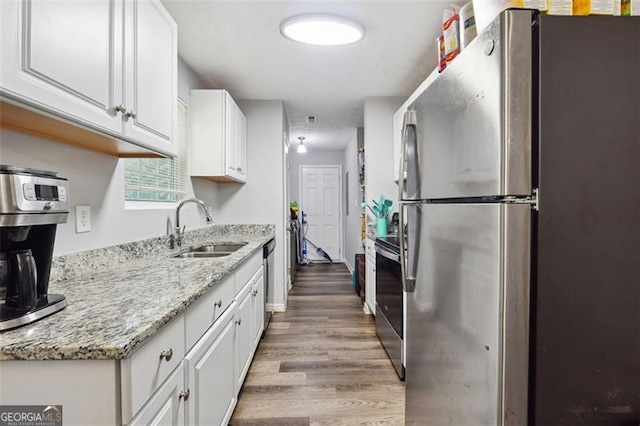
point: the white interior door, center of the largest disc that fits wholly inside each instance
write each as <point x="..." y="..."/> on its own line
<point x="320" y="199"/>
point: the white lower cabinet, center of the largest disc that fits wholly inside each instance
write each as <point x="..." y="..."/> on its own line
<point x="258" y="307"/>
<point x="370" y="276"/>
<point x="209" y="373"/>
<point x="158" y="384"/>
<point x="244" y="338"/>
<point x="166" y="406"/>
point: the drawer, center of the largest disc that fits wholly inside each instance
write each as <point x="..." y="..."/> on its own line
<point x="247" y="270"/>
<point x="144" y="372"/>
<point x="204" y="311"/>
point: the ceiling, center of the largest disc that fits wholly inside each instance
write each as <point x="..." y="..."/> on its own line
<point x="237" y="46"/>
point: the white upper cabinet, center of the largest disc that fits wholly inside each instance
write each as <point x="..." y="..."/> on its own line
<point x="218" y="137"/>
<point x="151" y="75"/>
<point x="106" y="66"/>
<point x="65" y="57"/>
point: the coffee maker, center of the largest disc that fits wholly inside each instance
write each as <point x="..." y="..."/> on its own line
<point x="32" y="204"/>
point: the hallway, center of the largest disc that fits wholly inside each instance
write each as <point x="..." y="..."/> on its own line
<point x="320" y="362"/>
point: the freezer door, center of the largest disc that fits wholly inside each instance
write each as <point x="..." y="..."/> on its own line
<point x="467" y="318"/>
<point x="473" y="123"/>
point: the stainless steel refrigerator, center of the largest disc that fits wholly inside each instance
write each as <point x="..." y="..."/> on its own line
<point x="521" y="210"/>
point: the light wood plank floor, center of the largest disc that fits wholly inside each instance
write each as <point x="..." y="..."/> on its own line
<point x="321" y="362"/>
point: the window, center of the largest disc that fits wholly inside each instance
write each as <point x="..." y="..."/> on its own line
<point x="159" y="179"/>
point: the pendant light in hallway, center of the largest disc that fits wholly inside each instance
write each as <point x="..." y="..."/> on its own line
<point x="301" y="148"/>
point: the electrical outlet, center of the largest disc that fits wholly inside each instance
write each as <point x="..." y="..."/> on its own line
<point x="83" y="219"/>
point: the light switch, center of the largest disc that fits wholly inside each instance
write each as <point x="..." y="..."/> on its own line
<point x="83" y="219"/>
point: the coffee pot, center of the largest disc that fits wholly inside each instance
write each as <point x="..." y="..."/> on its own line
<point x="22" y="281"/>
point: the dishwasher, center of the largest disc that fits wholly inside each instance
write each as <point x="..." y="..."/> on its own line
<point x="269" y="280"/>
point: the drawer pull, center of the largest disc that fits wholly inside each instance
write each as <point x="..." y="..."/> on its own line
<point x="184" y="394"/>
<point x="166" y="354"/>
<point x="218" y="303"/>
<point x="239" y="321"/>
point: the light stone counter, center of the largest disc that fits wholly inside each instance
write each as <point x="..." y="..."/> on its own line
<point x="119" y="297"/>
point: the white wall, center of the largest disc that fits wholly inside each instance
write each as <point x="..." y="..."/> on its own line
<point x="262" y="198"/>
<point x="353" y="219"/>
<point x="378" y="149"/>
<point x="98" y="180"/>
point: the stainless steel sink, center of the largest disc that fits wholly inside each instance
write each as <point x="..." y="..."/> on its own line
<point x="218" y="248"/>
<point x="211" y="250"/>
<point x="198" y="254"/>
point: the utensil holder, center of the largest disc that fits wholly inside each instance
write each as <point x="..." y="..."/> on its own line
<point x="381" y="227"/>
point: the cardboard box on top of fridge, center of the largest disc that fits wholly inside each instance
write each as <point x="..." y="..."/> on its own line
<point x="486" y="10"/>
<point x="594" y="7"/>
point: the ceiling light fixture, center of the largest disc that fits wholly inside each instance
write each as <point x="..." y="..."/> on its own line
<point x="301" y="148"/>
<point x="322" y="30"/>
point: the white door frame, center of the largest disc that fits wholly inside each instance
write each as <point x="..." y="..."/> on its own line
<point x="286" y="183"/>
<point x="340" y="195"/>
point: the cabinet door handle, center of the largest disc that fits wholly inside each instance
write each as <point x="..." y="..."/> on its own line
<point x="131" y="114"/>
<point x="184" y="394"/>
<point x="239" y="169"/>
<point x="218" y="303"/>
<point x="239" y="321"/>
<point x="166" y="354"/>
<point x="120" y="108"/>
<point x="254" y="293"/>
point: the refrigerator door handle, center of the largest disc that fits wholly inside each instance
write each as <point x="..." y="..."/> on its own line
<point x="408" y="264"/>
<point x="408" y="132"/>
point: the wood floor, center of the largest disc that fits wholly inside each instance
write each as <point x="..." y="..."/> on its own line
<point x="320" y="362"/>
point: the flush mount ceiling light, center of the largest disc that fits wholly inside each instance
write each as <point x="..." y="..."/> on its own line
<point x="301" y="148"/>
<point x="322" y="30"/>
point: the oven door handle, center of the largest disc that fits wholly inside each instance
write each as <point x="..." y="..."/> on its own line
<point x="388" y="254"/>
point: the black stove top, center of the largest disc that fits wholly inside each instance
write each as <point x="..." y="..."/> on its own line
<point x="390" y="242"/>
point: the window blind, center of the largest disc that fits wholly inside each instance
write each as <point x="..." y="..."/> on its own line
<point x="160" y="179"/>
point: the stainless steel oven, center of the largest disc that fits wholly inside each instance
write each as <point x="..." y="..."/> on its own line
<point x="389" y="300"/>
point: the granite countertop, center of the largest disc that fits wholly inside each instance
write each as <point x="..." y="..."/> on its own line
<point x="119" y="297"/>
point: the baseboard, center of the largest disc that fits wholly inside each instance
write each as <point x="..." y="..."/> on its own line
<point x="276" y="307"/>
<point x="347" y="265"/>
<point x="367" y="309"/>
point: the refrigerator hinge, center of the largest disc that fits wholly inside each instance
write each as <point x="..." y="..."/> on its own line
<point x="531" y="200"/>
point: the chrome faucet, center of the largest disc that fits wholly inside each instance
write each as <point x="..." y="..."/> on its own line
<point x="178" y="233"/>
